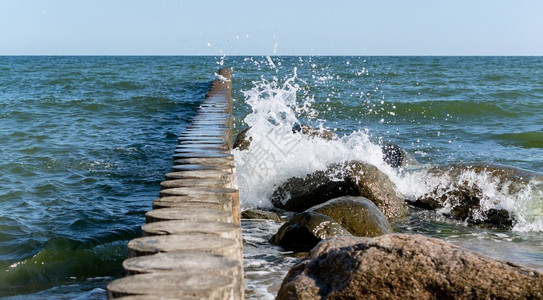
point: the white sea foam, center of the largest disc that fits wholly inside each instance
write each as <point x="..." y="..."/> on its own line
<point x="277" y="153"/>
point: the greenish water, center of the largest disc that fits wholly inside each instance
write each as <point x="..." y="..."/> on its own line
<point x="85" y="141"/>
<point x="440" y="110"/>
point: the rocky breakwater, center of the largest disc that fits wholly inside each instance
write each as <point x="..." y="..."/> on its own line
<point x="351" y="198"/>
<point x="192" y="248"/>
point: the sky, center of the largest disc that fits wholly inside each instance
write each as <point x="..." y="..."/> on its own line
<point x="278" y="27"/>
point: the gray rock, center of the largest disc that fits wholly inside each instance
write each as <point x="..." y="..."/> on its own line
<point x="352" y="178"/>
<point x="313" y="132"/>
<point x="405" y="266"/>
<point x="358" y="215"/>
<point x="305" y="230"/>
<point x="464" y="198"/>
<point x="396" y="157"/>
<point x="298" y="194"/>
<point x="257" y="214"/>
<point x="242" y="141"/>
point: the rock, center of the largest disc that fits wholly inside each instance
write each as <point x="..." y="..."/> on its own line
<point x="260" y="215"/>
<point x="313" y="132"/>
<point x="392" y="155"/>
<point x="405" y="266"/>
<point x="352" y="178"/>
<point x="463" y="198"/>
<point x="358" y="215"/>
<point x="299" y="194"/>
<point x="396" y="157"/>
<point x="242" y="141"/>
<point x="376" y="186"/>
<point x="305" y="230"/>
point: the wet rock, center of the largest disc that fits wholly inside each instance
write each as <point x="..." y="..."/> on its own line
<point x="305" y="230"/>
<point x="405" y="266"/>
<point x="376" y="186"/>
<point x="242" y="141"/>
<point x="314" y="132"/>
<point x="356" y="214"/>
<point x="396" y="157"/>
<point x="463" y="198"/>
<point x="392" y="155"/>
<point x="257" y="214"/>
<point x="353" y="178"/>
<point x="299" y="194"/>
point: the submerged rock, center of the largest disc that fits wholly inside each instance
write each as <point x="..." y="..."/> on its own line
<point x="305" y="230"/>
<point x="358" y="215"/>
<point x="462" y="195"/>
<point x="352" y="178"/>
<point x="405" y="266"/>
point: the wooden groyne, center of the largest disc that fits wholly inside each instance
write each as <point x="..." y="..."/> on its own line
<point x="191" y="246"/>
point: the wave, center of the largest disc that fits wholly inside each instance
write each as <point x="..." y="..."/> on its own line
<point x="63" y="260"/>
<point x="277" y="152"/>
<point x="533" y="139"/>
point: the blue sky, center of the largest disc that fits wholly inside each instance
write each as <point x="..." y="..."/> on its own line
<point x="281" y="27"/>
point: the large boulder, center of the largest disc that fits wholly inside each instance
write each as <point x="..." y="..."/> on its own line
<point x="298" y="194"/>
<point x="405" y="266"/>
<point x="358" y="215"/>
<point x="462" y="192"/>
<point x="305" y="230"/>
<point x="354" y="178"/>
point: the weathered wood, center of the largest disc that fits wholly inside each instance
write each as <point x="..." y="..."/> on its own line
<point x="183" y="242"/>
<point x="220" y="229"/>
<point x="192" y="245"/>
<point x="197" y="191"/>
<point x="226" y="174"/>
<point x="177" y="285"/>
<point x="183" y="262"/>
<point x="151" y="297"/>
<point x="203" y="183"/>
<point x="197" y="213"/>
<point x="220" y="203"/>
<point x="188" y="263"/>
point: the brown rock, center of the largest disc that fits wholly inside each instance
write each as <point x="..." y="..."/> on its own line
<point x="243" y="141"/>
<point x="464" y="198"/>
<point x="356" y="214"/>
<point x="408" y="267"/>
<point x="352" y="178"/>
<point x="257" y="214"/>
<point x="305" y="230"/>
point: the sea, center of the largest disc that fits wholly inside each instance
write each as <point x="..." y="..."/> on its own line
<point x="86" y="140"/>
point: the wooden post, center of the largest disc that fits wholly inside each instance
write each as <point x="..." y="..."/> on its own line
<point x="192" y="245"/>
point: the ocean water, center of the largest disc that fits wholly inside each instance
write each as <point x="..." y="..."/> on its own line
<point x="440" y="110"/>
<point x="84" y="144"/>
<point x="85" y="141"/>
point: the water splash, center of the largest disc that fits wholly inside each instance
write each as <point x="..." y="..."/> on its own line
<point x="279" y="151"/>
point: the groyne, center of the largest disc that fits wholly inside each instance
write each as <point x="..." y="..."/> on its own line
<point x="191" y="246"/>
